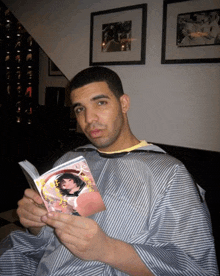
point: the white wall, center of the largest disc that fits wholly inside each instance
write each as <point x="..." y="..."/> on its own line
<point x="45" y="80"/>
<point x="170" y="104"/>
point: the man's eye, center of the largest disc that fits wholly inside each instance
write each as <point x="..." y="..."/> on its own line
<point x="102" y="103"/>
<point x="78" y="110"/>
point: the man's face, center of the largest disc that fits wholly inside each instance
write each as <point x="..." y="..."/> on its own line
<point x="100" y="115"/>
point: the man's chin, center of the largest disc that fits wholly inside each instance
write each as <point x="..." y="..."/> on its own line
<point x="100" y="143"/>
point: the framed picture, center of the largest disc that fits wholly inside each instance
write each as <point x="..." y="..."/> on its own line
<point x="118" y="36"/>
<point x="53" y="70"/>
<point x="191" y="32"/>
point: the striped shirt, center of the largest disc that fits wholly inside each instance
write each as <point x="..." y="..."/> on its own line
<point x="151" y="203"/>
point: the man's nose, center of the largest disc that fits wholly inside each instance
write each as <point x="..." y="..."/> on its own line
<point x="90" y="116"/>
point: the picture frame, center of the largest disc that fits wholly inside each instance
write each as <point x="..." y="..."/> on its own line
<point x="182" y="24"/>
<point x="53" y="70"/>
<point x="118" y="36"/>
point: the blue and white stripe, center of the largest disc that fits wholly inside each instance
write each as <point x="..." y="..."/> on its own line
<point x="151" y="203"/>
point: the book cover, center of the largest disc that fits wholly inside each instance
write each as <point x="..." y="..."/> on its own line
<point x="68" y="188"/>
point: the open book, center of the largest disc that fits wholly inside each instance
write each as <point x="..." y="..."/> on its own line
<point x="68" y="188"/>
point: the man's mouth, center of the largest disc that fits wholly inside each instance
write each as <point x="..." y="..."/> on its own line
<point x="95" y="133"/>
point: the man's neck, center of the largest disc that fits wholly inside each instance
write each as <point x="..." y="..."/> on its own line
<point x="120" y="146"/>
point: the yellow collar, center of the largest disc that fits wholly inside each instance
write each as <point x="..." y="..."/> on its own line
<point x="142" y="143"/>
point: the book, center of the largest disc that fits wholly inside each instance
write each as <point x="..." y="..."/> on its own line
<point x="68" y="188"/>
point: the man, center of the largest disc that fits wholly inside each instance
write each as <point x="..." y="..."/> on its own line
<point x="155" y="222"/>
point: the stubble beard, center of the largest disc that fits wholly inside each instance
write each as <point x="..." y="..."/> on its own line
<point x="105" y="142"/>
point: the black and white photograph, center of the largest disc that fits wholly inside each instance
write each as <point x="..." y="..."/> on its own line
<point x="190" y="32"/>
<point x="118" y="36"/>
<point x="198" y="28"/>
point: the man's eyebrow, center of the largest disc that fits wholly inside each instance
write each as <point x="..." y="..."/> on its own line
<point x="75" y="105"/>
<point x="102" y="96"/>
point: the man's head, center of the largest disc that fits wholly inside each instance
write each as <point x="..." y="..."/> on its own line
<point x="101" y="108"/>
<point x="98" y="74"/>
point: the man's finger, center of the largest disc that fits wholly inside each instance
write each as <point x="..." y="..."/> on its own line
<point x="75" y="221"/>
<point x="29" y="193"/>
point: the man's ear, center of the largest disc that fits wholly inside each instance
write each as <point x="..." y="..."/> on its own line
<point x="125" y="103"/>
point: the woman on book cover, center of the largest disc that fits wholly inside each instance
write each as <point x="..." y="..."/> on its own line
<point x="71" y="186"/>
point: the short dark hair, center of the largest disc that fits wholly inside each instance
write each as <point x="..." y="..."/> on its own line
<point x="79" y="182"/>
<point x="98" y="74"/>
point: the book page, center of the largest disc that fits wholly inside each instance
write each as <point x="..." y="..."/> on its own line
<point x="29" y="168"/>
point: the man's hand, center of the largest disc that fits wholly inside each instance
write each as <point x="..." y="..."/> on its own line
<point x="86" y="240"/>
<point x="82" y="236"/>
<point x="30" y="211"/>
